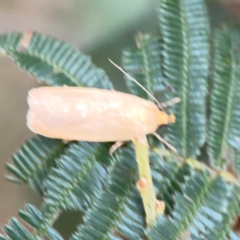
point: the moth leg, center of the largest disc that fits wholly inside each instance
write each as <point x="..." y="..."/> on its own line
<point x="171" y="147"/>
<point x="115" y="146"/>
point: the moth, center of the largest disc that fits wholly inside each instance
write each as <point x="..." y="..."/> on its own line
<point x="89" y="114"/>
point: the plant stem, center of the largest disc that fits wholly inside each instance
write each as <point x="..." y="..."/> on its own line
<point x="145" y="184"/>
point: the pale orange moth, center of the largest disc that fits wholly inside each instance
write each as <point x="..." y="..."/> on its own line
<point x="88" y="114"/>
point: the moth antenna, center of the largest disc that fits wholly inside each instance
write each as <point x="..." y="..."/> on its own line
<point x="134" y="80"/>
<point x="165" y="142"/>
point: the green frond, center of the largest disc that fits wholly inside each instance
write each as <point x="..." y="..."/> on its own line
<point x="36" y="219"/>
<point x="236" y="164"/>
<point x="199" y="206"/>
<point x="52" y="61"/>
<point x="198" y="202"/>
<point x="34" y="160"/>
<point x="185" y="55"/>
<point x="69" y="175"/>
<point x="225" y="109"/>
<point x="163" y="170"/>
<point x="132" y="221"/>
<point x="143" y="63"/>
<point x="115" y="210"/>
<point x="78" y="177"/>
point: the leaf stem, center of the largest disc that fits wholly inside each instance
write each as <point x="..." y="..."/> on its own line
<point x="145" y="185"/>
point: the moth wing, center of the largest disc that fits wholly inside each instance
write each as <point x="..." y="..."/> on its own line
<point x="89" y="114"/>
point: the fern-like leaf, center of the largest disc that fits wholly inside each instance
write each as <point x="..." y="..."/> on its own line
<point x="36" y="219"/>
<point x="225" y="109"/>
<point x="52" y="61"/>
<point x="78" y="177"/>
<point x="73" y="183"/>
<point x="201" y="206"/>
<point x="237" y="162"/>
<point x="108" y="214"/>
<point x="198" y="202"/>
<point x="34" y="161"/>
<point x="185" y="51"/>
<point x="144" y="64"/>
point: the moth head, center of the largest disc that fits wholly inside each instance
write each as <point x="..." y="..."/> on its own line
<point x="164" y="118"/>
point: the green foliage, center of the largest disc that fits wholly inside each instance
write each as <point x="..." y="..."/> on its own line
<point x="110" y="209"/>
<point x="77" y="178"/>
<point x="225" y="110"/>
<point x="200" y="205"/>
<point x="34" y="161"/>
<point x="52" y="61"/>
<point x="185" y="60"/>
<point x="36" y="219"/>
<point x="200" y="202"/>
<point x="144" y="64"/>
